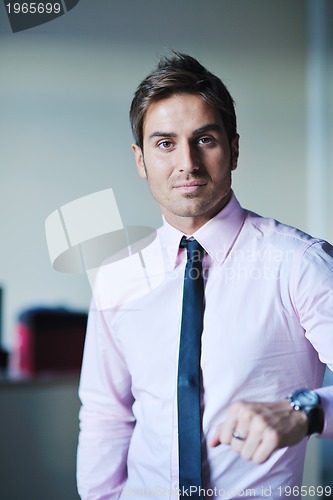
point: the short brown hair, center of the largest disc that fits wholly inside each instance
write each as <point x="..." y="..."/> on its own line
<point x="176" y="75"/>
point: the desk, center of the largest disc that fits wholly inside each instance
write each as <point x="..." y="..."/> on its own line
<point x="38" y="437"/>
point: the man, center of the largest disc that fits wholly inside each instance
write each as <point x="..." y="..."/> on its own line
<point x="265" y="333"/>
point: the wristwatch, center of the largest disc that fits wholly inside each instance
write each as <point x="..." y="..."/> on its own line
<point x="308" y="402"/>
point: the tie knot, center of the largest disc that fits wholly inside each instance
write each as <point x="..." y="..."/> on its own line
<point x="194" y="249"/>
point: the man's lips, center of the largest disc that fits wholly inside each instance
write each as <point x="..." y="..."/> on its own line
<point x="190" y="186"/>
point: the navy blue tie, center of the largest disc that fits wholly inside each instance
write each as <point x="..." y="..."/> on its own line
<point x="189" y="418"/>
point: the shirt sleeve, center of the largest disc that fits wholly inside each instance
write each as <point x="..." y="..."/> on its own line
<point x="313" y="295"/>
<point x="106" y="418"/>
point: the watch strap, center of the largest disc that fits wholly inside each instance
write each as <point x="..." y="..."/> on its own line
<point x="315" y="421"/>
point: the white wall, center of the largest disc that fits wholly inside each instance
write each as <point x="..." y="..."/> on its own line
<point x="66" y="87"/>
<point x="65" y="91"/>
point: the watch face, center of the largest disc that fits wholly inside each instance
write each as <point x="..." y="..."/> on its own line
<point x="308" y="402"/>
<point x="304" y="398"/>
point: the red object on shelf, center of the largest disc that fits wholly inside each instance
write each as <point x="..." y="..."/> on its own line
<point x="49" y="341"/>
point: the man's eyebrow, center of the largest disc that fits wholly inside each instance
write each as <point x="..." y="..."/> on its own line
<point x="162" y="134"/>
<point x="207" y="128"/>
<point x="201" y="130"/>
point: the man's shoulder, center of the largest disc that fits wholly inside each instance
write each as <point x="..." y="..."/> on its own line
<point x="275" y="230"/>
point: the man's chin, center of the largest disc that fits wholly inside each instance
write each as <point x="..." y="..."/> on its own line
<point x="193" y="211"/>
<point x="198" y="207"/>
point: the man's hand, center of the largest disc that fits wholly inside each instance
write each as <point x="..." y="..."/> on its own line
<point x="264" y="427"/>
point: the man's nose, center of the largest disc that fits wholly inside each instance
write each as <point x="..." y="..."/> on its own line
<point x="188" y="160"/>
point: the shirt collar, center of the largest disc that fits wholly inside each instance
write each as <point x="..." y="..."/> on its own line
<point x="217" y="236"/>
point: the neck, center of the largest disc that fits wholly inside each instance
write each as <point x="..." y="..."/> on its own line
<point x="187" y="225"/>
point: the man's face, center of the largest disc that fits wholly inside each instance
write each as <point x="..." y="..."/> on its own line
<point x="187" y="159"/>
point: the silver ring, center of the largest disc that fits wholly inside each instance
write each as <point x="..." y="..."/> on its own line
<point x="238" y="436"/>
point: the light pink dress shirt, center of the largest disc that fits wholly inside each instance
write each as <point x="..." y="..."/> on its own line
<point x="267" y="331"/>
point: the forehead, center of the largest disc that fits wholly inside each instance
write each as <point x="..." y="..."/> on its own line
<point x="180" y="112"/>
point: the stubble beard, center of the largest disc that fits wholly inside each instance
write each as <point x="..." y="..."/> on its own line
<point x="205" y="204"/>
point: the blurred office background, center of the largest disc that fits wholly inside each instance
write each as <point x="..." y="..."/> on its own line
<point x="65" y="92"/>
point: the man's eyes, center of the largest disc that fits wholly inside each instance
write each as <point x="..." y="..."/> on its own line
<point x="201" y="141"/>
<point x="205" y="140"/>
<point x="164" y="144"/>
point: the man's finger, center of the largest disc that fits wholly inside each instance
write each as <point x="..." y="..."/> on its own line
<point x="269" y="443"/>
<point x="215" y="441"/>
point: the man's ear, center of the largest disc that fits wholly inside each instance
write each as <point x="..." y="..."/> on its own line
<point x="140" y="164"/>
<point x="234" y="146"/>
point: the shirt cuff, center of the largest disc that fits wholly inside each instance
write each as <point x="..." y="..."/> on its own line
<point x="326" y="397"/>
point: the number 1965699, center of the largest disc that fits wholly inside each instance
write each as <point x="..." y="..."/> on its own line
<point x="33" y="8"/>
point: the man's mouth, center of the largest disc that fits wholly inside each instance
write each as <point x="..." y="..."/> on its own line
<point x="190" y="186"/>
